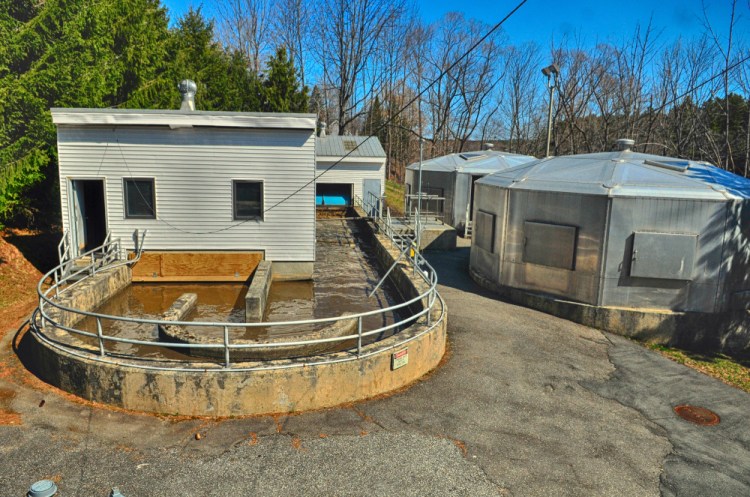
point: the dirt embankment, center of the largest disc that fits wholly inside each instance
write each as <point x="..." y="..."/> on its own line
<point x="23" y="257"/>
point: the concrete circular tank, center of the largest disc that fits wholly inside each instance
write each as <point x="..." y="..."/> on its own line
<point x="635" y="243"/>
<point x="230" y="378"/>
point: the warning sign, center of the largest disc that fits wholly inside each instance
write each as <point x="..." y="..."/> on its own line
<point x="400" y="359"/>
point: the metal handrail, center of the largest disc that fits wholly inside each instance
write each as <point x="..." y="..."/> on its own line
<point x="113" y="247"/>
<point x="63" y="248"/>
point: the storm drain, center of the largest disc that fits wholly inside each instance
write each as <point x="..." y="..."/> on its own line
<point x="698" y="415"/>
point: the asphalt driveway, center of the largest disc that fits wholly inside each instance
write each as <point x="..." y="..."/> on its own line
<point x="527" y="404"/>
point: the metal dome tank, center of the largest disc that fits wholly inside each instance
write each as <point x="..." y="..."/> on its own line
<point x="616" y="229"/>
<point x="453" y="176"/>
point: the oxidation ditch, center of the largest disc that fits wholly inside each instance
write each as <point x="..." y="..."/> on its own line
<point x="346" y="271"/>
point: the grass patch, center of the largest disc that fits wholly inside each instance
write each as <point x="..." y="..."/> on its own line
<point x="394" y="197"/>
<point x="733" y="372"/>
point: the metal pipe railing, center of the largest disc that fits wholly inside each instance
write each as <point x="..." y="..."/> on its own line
<point x="109" y="252"/>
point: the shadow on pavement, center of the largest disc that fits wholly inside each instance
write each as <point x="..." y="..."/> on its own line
<point x="452" y="267"/>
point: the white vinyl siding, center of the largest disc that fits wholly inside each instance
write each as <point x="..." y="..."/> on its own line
<point x="193" y="170"/>
<point x="352" y="171"/>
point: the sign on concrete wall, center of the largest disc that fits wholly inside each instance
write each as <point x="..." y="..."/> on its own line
<point x="400" y="359"/>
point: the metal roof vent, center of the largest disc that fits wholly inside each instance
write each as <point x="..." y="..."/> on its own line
<point x="488" y="146"/>
<point x="625" y="144"/>
<point x="187" y="89"/>
<point x="322" y="129"/>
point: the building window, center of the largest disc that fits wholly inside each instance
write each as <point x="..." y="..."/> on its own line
<point x="140" y="200"/>
<point x="248" y="199"/>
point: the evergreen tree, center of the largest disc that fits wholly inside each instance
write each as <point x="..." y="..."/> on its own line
<point x="66" y="53"/>
<point x="375" y="120"/>
<point x="282" y="91"/>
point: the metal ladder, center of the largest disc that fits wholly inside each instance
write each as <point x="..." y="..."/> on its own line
<point x="468" y="224"/>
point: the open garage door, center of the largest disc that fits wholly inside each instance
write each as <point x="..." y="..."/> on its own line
<point x="333" y="194"/>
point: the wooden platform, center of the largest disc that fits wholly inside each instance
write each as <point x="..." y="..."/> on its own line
<point x="195" y="266"/>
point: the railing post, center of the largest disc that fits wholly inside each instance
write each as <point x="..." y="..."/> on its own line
<point x="226" y="346"/>
<point x="41" y="312"/>
<point x="100" y="334"/>
<point x="430" y="303"/>
<point x="359" y="336"/>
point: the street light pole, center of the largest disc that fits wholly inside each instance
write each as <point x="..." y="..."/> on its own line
<point x="551" y="72"/>
<point x="417" y="224"/>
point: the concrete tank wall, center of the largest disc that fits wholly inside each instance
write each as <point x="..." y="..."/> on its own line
<point x="285" y="386"/>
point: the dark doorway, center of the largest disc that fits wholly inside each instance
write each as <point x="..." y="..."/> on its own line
<point x="89" y="224"/>
<point x="474" y="179"/>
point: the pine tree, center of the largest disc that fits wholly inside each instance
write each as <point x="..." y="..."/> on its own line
<point x="66" y="53"/>
<point x="282" y="91"/>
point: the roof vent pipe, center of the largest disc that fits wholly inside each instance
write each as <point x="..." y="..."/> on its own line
<point x="187" y="89"/>
<point x="488" y="146"/>
<point x="322" y="129"/>
<point x="625" y="144"/>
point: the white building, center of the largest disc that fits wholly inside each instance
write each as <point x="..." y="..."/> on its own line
<point x="200" y="182"/>
<point x="341" y="177"/>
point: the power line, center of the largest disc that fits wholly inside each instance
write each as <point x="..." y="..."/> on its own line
<point x="696" y="87"/>
<point x="380" y="128"/>
<point x="410" y="102"/>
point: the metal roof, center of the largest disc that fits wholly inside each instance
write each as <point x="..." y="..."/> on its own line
<point x="338" y="146"/>
<point x="484" y="162"/>
<point x="624" y="174"/>
<point x="182" y="118"/>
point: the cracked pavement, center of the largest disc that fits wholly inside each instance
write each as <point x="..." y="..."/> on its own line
<point x="527" y="404"/>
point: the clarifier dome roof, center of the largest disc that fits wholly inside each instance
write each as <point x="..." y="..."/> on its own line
<point x="484" y="162"/>
<point x="624" y="174"/>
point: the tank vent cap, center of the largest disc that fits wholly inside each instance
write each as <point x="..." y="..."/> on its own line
<point x="625" y="144"/>
<point x="187" y="88"/>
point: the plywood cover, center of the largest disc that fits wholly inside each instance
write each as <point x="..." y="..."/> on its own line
<point x="196" y="266"/>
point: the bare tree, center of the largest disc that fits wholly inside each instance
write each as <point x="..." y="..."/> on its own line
<point x="460" y="85"/>
<point x="520" y="96"/>
<point x="726" y="54"/>
<point x="244" y="27"/>
<point x="348" y="34"/>
<point x="292" y="29"/>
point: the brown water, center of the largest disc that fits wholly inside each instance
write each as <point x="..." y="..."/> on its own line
<point x="345" y="273"/>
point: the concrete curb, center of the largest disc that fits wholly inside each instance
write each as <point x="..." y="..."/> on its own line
<point x="727" y="333"/>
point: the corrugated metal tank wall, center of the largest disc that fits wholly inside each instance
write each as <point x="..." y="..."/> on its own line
<point x="487" y="251"/>
<point x="735" y="290"/>
<point x="706" y="220"/>
<point x="460" y="201"/>
<point x="584" y="216"/>
<point x="436" y="183"/>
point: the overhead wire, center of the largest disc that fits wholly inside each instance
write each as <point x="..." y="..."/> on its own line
<point x="696" y="87"/>
<point x="384" y="125"/>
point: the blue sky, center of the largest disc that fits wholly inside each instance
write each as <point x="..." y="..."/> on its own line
<point x="592" y="21"/>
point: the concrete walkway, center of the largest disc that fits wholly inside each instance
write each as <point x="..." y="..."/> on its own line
<point x="527" y="405"/>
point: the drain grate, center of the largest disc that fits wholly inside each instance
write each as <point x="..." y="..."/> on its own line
<point x="698" y="415"/>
